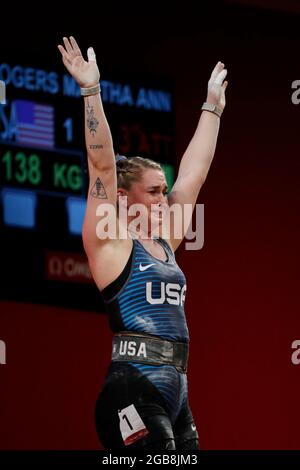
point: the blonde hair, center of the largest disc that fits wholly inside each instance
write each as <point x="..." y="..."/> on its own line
<point x="130" y="170"/>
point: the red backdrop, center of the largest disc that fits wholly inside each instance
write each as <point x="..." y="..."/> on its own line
<point x="56" y="361"/>
<point x="243" y="286"/>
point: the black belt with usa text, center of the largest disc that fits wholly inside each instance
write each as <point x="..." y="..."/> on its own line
<point x="147" y="349"/>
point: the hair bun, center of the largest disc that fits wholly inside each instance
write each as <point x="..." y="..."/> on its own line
<point x="120" y="158"/>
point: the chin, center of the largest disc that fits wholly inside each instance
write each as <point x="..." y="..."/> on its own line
<point x="155" y="225"/>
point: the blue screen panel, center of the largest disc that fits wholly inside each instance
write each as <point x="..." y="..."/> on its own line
<point x="19" y="208"/>
<point x="75" y="210"/>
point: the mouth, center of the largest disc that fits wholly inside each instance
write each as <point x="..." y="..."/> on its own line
<point x="157" y="214"/>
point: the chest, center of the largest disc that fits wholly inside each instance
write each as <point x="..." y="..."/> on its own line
<point x="155" y="269"/>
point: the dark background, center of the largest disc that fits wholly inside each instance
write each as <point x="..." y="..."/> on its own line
<point x="242" y="302"/>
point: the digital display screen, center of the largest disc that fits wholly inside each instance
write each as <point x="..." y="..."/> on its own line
<point x="43" y="172"/>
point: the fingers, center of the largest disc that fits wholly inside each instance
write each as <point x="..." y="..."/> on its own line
<point x="75" y="45"/>
<point x="64" y="54"/>
<point x="217" y="70"/>
<point x="68" y="46"/>
<point x="61" y="49"/>
<point x="91" y="55"/>
<point x="220" y="77"/>
<point x="70" y="50"/>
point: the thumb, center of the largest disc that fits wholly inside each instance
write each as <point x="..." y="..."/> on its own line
<point x="91" y="55"/>
<point x="224" y="86"/>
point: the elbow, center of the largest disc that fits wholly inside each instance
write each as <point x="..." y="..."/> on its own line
<point x="102" y="162"/>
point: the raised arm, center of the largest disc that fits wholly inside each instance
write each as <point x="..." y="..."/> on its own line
<point x="196" y="161"/>
<point x="99" y="145"/>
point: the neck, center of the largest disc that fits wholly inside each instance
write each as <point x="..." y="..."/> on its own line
<point x="140" y="235"/>
<point x="141" y="231"/>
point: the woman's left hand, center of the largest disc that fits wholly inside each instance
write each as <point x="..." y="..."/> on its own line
<point x="216" y="86"/>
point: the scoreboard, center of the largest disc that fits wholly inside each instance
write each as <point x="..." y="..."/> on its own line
<point x="43" y="173"/>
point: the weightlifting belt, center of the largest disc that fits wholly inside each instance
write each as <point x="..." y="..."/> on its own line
<point x="148" y="349"/>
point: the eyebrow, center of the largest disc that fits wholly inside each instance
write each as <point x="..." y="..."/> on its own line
<point x="158" y="186"/>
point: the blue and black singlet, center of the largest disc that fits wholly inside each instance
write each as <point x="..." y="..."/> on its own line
<point x="148" y="297"/>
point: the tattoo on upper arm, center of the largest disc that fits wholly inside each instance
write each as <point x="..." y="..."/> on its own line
<point x="91" y="121"/>
<point x="98" y="190"/>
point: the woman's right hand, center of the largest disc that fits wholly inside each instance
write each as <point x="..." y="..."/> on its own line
<point x="85" y="73"/>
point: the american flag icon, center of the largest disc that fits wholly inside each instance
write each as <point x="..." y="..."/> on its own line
<point x="35" y="123"/>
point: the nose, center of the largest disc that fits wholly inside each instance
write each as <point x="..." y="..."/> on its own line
<point x="161" y="199"/>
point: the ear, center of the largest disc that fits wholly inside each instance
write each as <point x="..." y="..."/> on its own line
<point x="122" y="197"/>
<point x="121" y="192"/>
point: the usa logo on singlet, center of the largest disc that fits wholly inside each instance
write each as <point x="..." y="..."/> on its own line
<point x="170" y="292"/>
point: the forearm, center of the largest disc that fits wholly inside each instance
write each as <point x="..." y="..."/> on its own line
<point x="98" y="137"/>
<point x="201" y="149"/>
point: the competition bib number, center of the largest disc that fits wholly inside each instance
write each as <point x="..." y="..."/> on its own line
<point x="131" y="425"/>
